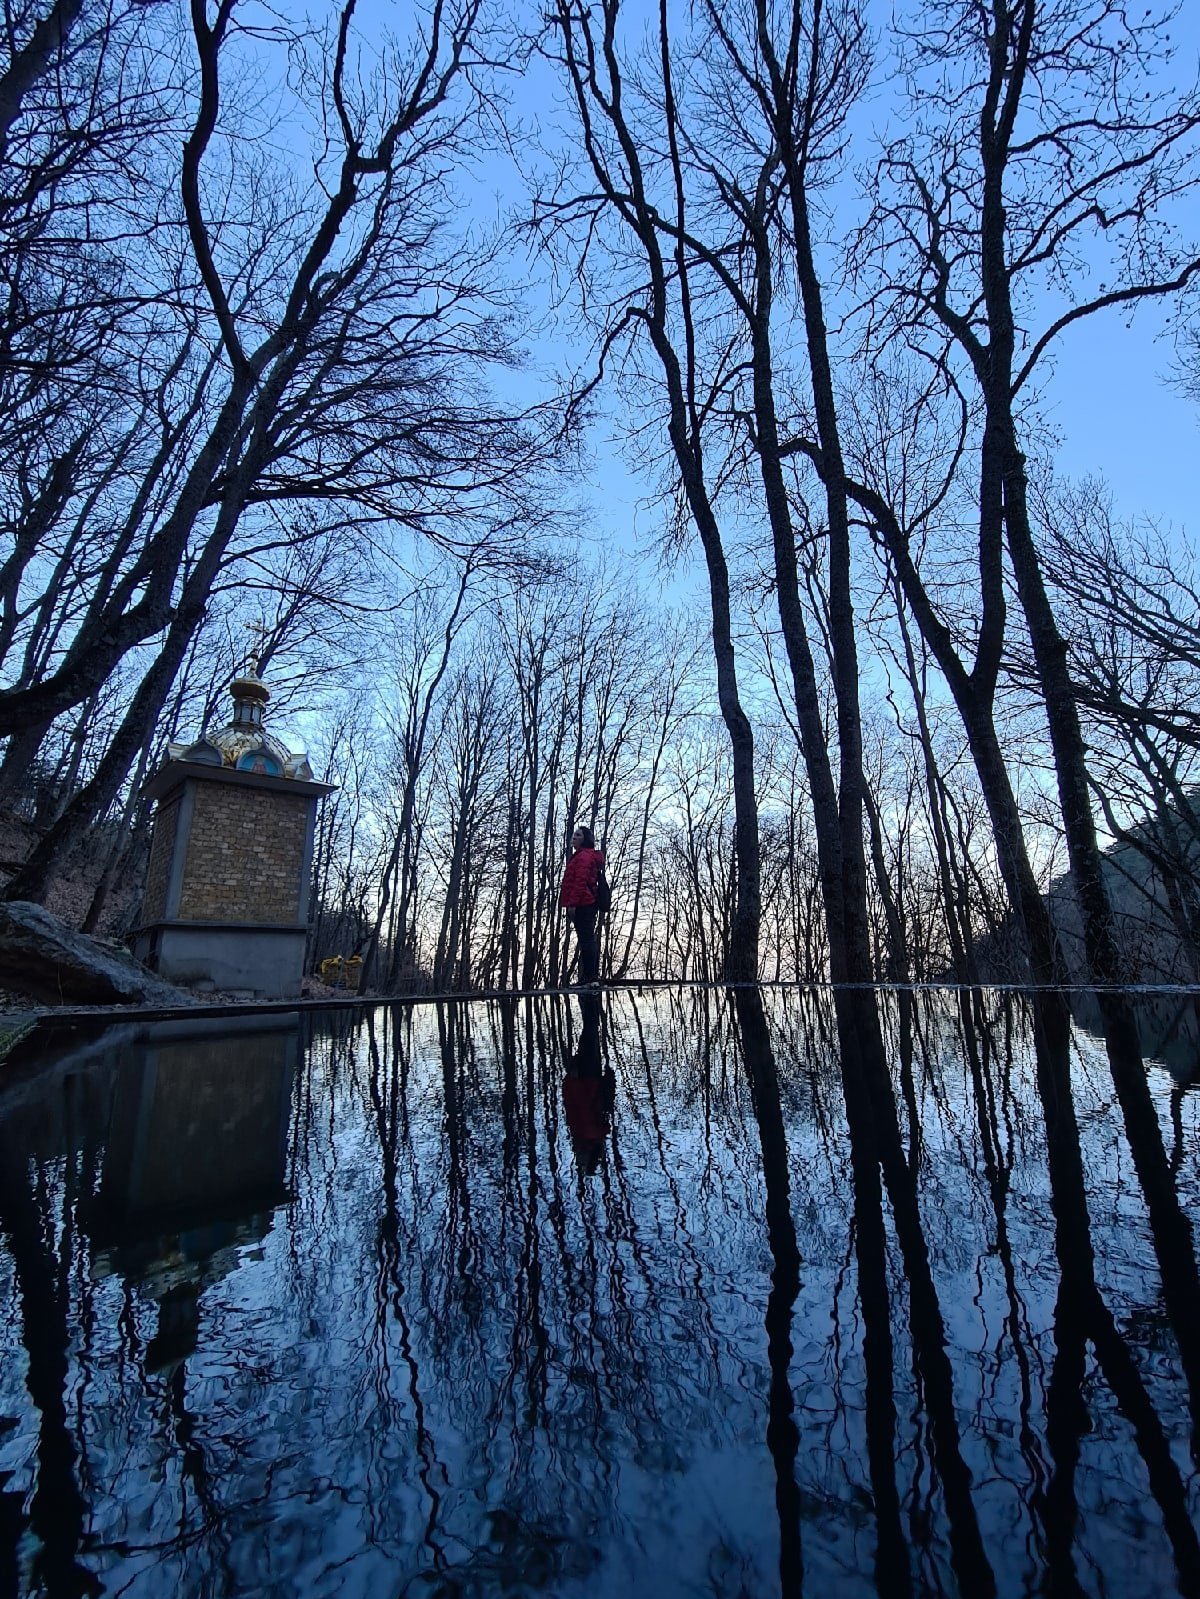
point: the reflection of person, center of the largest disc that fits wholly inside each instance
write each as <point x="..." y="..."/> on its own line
<point x="578" y="897"/>
<point x="588" y="1091"/>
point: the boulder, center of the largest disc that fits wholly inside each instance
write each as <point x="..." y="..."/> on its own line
<point x="15" y="1028"/>
<point x="43" y="957"/>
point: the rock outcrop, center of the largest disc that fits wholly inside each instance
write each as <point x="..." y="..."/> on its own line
<point x="44" y="958"/>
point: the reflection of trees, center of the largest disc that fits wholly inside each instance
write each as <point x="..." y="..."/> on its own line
<point x="782" y="1435"/>
<point x="991" y="1048"/>
<point x="540" y="1292"/>
<point x="57" y="1511"/>
<point x="875" y="1143"/>
<point x="1081" y="1316"/>
<point x="1173" y="1242"/>
<point x="985" y="1116"/>
<point x="452" y="1357"/>
<point x="891" y="1550"/>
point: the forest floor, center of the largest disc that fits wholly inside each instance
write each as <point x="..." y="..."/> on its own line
<point x="13" y="1003"/>
<point x="70" y="894"/>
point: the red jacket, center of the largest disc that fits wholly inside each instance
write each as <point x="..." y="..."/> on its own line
<point x="580" y="878"/>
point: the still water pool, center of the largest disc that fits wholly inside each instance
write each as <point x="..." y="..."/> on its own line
<point x="591" y="1298"/>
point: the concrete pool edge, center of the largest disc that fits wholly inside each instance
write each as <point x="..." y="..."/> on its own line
<point x="19" y="1026"/>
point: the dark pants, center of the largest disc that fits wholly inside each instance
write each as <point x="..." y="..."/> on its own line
<point x="589" y="949"/>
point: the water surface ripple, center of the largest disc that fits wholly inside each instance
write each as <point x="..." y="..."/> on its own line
<point x="601" y="1297"/>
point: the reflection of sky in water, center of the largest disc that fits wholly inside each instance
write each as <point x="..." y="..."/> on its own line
<point x="348" y="1319"/>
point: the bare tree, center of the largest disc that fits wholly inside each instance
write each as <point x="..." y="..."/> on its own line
<point x="658" y="306"/>
<point x="341" y="353"/>
<point x="1129" y="603"/>
<point x="1048" y="167"/>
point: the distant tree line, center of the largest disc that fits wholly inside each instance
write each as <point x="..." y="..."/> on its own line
<point x="248" y="379"/>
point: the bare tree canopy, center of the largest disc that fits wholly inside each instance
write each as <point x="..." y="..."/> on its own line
<point x="264" y="360"/>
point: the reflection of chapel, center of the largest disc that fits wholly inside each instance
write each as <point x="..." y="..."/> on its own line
<point x="194" y="1162"/>
<point x="226" y="900"/>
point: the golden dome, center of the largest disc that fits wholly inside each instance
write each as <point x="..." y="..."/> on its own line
<point x="235" y="742"/>
<point x="244" y="743"/>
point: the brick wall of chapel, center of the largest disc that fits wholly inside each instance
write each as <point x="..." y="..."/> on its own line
<point x="245" y="855"/>
<point x="162" y="847"/>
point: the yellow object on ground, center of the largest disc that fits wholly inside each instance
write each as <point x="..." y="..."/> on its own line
<point x="342" y="971"/>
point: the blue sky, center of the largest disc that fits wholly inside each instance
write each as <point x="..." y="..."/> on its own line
<point x="1121" y="418"/>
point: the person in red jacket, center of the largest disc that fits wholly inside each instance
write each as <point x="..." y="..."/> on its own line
<point x="578" y="897"/>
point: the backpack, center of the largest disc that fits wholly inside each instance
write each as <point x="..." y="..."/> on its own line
<point x="603" y="893"/>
